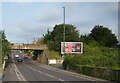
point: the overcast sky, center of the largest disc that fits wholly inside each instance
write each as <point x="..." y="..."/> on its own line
<point x="23" y="22"/>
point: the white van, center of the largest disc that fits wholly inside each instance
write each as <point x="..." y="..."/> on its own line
<point x="16" y="56"/>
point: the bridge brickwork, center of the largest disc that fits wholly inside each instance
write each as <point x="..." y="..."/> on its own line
<point x="28" y="47"/>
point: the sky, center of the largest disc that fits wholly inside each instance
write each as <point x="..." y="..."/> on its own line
<point x="26" y="21"/>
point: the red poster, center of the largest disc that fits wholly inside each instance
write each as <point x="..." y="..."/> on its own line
<point x="78" y="47"/>
<point x="70" y="47"/>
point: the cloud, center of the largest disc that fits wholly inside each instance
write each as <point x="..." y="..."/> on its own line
<point x="26" y="32"/>
<point x="19" y="1"/>
<point x="49" y="15"/>
<point x="0" y="16"/>
<point x="86" y="17"/>
<point x="60" y="1"/>
<point x="82" y="15"/>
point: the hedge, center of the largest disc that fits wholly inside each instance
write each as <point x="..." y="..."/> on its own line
<point x="112" y="74"/>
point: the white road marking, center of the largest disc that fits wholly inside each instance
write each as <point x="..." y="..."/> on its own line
<point x="44" y="73"/>
<point x="49" y="75"/>
<point x="33" y="69"/>
<point x="19" y="78"/>
<point x="17" y="71"/>
<point x="73" y="74"/>
<point x="67" y="73"/>
<point x="61" y="80"/>
<point x="40" y="72"/>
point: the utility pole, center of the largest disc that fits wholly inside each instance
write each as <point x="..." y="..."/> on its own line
<point x="1" y="47"/>
<point x="64" y="30"/>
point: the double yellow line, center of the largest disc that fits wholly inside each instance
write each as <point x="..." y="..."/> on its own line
<point x="23" y="78"/>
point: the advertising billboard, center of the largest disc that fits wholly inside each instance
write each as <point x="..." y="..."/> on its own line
<point x="72" y="47"/>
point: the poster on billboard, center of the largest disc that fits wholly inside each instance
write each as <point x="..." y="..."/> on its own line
<point x="72" y="47"/>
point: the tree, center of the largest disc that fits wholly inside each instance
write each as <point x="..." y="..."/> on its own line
<point x="54" y="38"/>
<point x="86" y="39"/>
<point x="5" y="45"/>
<point x="103" y="36"/>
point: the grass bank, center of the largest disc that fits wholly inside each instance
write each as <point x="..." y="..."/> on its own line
<point x="53" y="55"/>
<point x="95" y="61"/>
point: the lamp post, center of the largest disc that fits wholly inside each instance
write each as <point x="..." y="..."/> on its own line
<point x="1" y="47"/>
<point x="64" y="30"/>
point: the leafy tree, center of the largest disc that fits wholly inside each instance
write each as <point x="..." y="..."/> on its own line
<point x="5" y="45"/>
<point x="119" y="55"/>
<point x="28" y="52"/>
<point x="54" y="38"/>
<point x="86" y="39"/>
<point x="46" y="37"/>
<point x="103" y="36"/>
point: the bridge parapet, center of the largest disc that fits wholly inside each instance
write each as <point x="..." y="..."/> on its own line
<point x="29" y="47"/>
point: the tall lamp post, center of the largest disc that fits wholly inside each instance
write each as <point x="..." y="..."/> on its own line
<point x="64" y="30"/>
<point x="1" y="47"/>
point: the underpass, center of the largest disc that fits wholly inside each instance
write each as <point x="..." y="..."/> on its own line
<point x="39" y="51"/>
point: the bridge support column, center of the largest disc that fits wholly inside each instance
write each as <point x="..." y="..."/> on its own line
<point x="42" y="58"/>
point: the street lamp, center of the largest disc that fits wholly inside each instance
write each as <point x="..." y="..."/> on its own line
<point x="1" y="47"/>
<point x="64" y="30"/>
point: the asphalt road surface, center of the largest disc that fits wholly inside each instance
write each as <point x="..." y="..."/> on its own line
<point x="28" y="71"/>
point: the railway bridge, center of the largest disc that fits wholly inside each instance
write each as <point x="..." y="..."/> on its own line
<point x="41" y="50"/>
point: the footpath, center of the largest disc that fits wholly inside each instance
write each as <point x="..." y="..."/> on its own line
<point x="1" y="76"/>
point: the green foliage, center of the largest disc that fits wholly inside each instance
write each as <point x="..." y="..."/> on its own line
<point x="119" y="55"/>
<point x="96" y="60"/>
<point x="5" y="45"/>
<point x="35" y="55"/>
<point x="95" y="56"/>
<point x="101" y="66"/>
<point x="86" y="39"/>
<point x="54" y="55"/>
<point x="103" y="36"/>
<point x="54" y="38"/>
<point x="99" y="72"/>
<point x="28" y="52"/>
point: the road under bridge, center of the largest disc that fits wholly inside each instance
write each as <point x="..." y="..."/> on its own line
<point x="40" y="49"/>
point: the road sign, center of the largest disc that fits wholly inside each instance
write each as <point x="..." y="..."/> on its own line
<point x="25" y="48"/>
<point x="52" y="61"/>
<point x="72" y="47"/>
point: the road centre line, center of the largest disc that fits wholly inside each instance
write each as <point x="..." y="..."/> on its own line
<point x="50" y="75"/>
<point x="66" y="73"/>
<point x="33" y="69"/>
<point x="61" y="79"/>
<point x="71" y="74"/>
<point x="78" y="76"/>
<point x="60" y="72"/>
<point x="42" y="72"/>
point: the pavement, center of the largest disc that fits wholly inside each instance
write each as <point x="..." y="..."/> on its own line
<point x="58" y="66"/>
<point x="1" y="75"/>
<point x="10" y="74"/>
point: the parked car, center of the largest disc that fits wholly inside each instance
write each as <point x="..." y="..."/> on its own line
<point x="16" y="56"/>
<point x="20" y="51"/>
<point x="26" y="56"/>
<point x="19" y="60"/>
